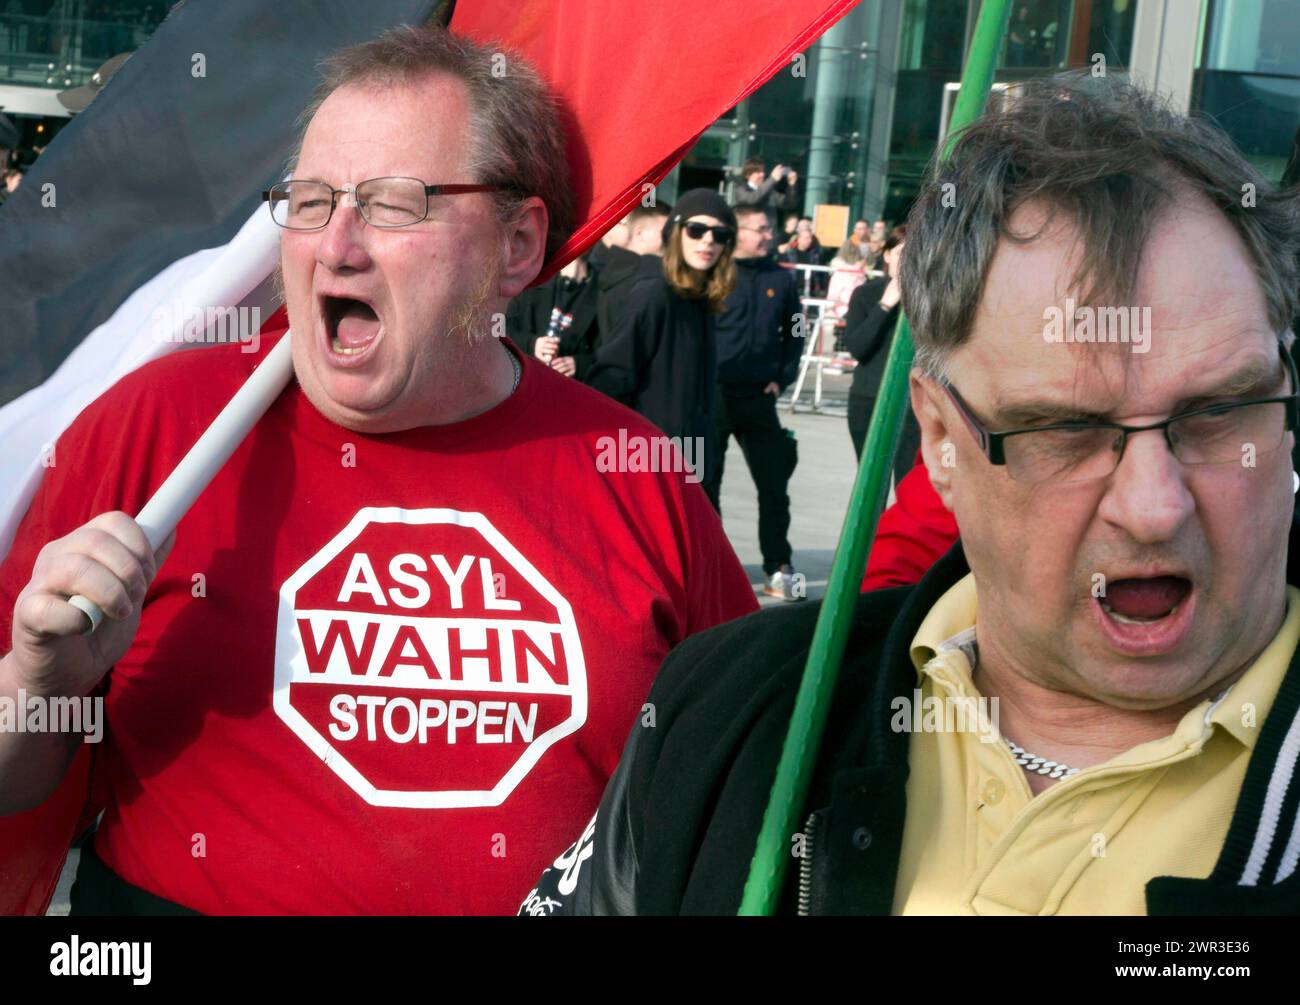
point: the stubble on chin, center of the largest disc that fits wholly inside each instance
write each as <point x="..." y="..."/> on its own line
<point x="472" y="320"/>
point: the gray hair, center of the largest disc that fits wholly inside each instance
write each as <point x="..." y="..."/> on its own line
<point x="515" y="135"/>
<point x="1111" y="157"/>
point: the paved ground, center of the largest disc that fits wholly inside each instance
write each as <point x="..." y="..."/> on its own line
<point x="819" y="494"/>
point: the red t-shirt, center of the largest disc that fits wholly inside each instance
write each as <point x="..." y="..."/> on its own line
<point x="379" y="674"/>
<point x="912" y="534"/>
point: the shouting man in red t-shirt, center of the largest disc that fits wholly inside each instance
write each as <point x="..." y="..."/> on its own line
<point x="388" y="660"/>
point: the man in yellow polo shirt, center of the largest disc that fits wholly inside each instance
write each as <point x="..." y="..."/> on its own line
<point x="986" y="836"/>
<point x="1108" y="406"/>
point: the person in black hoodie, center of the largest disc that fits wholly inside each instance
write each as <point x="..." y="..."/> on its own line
<point x="615" y="237"/>
<point x="758" y="357"/>
<point x="556" y="321"/>
<point x="659" y="358"/>
<point x="869" y="332"/>
<point x="644" y="236"/>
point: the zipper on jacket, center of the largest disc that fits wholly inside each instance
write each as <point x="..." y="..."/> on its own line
<point x="805" y="866"/>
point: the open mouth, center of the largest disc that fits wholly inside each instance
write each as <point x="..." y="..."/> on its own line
<point x="1143" y="601"/>
<point x="1146" y="616"/>
<point x="351" y="325"/>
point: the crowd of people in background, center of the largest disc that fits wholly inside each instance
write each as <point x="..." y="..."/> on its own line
<point x="692" y="315"/>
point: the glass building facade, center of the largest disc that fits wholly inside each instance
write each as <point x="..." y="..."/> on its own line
<point x="1248" y="76"/>
<point x="863" y="119"/>
<point x="47" y="46"/>
<point x="862" y="123"/>
<point x="1043" y="37"/>
<point x="817" y="116"/>
<point x="858" y="114"/>
<point x="60" y="43"/>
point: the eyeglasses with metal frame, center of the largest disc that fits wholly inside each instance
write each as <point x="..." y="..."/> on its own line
<point x="1070" y="452"/>
<point x="388" y="202"/>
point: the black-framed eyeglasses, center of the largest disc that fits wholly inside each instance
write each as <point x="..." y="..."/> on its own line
<point x="696" y="231"/>
<point x="1069" y="452"/>
<point x="301" y="204"/>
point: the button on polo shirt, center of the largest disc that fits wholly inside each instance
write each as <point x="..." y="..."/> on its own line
<point x="978" y="841"/>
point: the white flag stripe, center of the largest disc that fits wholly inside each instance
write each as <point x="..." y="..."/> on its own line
<point x="236" y="274"/>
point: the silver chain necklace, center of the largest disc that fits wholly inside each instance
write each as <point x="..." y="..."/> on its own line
<point x="1026" y="760"/>
<point x="519" y="370"/>
<point x="1041" y="765"/>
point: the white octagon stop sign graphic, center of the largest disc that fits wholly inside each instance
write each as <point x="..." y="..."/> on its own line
<point x="425" y="660"/>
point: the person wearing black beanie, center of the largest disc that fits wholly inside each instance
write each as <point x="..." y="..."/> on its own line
<point x="659" y="358"/>
<point x="700" y="202"/>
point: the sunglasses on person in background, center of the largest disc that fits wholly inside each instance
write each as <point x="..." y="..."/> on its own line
<point x="1065" y="453"/>
<point x="383" y="202"/>
<point x="696" y="232"/>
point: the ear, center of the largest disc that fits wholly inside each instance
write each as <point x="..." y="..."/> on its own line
<point x="938" y="441"/>
<point x="524" y="249"/>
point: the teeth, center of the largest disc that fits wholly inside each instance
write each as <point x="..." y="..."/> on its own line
<point x="1126" y="620"/>
<point x="343" y="350"/>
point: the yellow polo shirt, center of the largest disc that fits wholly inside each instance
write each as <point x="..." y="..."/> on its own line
<point x="976" y="841"/>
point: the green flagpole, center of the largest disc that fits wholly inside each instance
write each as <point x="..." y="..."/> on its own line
<point x="799" y="754"/>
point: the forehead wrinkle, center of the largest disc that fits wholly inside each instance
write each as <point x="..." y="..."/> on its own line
<point x="1083" y="391"/>
<point x="1257" y="375"/>
<point x="360" y="159"/>
<point x="1214" y="327"/>
<point x="394" y="125"/>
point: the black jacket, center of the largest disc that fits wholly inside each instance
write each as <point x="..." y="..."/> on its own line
<point x="659" y="357"/>
<point x="528" y="318"/>
<point x="868" y="332"/>
<point x="756" y="340"/>
<point x="614" y="276"/>
<point x="598" y="256"/>
<point x="677" y="825"/>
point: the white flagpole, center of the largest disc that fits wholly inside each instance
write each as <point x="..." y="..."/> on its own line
<point x="176" y="495"/>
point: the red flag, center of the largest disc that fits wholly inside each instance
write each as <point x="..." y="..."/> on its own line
<point x="640" y="84"/>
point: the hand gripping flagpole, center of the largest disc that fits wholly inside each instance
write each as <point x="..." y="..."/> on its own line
<point x="812" y="703"/>
<point x="191" y="476"/>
